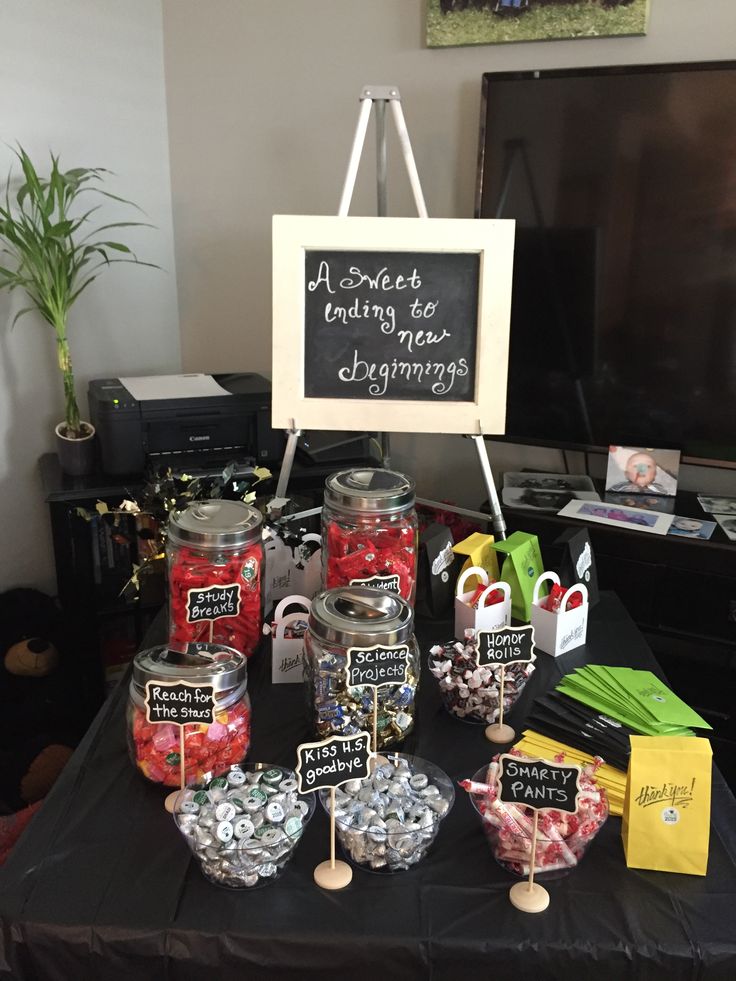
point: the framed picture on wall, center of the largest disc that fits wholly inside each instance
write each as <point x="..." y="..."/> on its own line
<point x="452" y="23"/>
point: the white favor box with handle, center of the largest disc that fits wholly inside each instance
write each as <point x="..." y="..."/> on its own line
<point x="485" y="617"/>
<point x="287" y="652"/>
<point x="557" y="633"/>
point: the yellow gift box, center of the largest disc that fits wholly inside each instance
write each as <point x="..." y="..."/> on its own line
<point x="666" y="819"/>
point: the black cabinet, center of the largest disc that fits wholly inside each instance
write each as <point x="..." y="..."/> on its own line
<point x="681" y="593"/>
<point x="94" y="560"/>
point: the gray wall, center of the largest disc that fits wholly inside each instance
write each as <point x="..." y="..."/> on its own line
<point x="85" y="79"/>
<point x="263" y="102"/>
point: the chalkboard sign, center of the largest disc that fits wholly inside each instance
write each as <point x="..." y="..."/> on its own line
<point x="403" y="321"/>
<point x="332" y="762"/>
<point x="394" y="325"/>
<point x="390" y="584"/>
<point x="179" y="702"/>
<point x="508" y="645"/>
<point x="213" y="603"/>
<point x="538" y="784"/>
<point x="376" y="666"/>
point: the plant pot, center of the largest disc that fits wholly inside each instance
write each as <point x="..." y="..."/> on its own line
<point x="76" y="456"/>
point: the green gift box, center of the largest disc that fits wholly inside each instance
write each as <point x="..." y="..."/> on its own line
<point x="521" y="568"/>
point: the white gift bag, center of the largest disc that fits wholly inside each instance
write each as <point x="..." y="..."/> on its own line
<point x="557" y="633"/>
<point x="287" y="652"/>
<point x="485" y="617"/>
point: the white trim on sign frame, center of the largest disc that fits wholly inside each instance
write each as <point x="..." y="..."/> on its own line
<point x="491" y="239"/>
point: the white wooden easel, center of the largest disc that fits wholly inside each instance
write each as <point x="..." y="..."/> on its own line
<point x="378" y="97"/>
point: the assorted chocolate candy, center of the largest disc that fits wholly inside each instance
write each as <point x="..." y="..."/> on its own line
<point x="471" y="691"/>
<point x="388" y="821"/>
<point x="359" y="618"/>
<point x="244" y="826"/>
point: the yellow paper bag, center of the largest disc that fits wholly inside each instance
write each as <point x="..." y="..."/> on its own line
<point x="480" y="552"/>
<point x="666" y="820"/>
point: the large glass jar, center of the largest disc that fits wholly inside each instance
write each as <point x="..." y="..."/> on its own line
<point x="215" y="558"/>
<point x="369" y="531"/>
<point x="154" y="748"/>
<point x="359" y="617"/>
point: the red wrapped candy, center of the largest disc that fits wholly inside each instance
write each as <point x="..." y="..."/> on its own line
<point x="215" y="559"/>
<point x="369" y="531"/>
<point x="209" y="748"/>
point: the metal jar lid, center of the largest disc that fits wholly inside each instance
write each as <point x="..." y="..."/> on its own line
<point x="205" y="664"/>
<point x="351" y="616"/>
<point x="215" y="524"/>
<point x="369" y="489"/>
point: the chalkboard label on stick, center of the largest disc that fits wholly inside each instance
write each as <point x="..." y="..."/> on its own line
<point x="391" y="325"/>
<point x="179" y="702"/>
<point x="507" y="645"/>
<point x="538" y="784"/>
<point x="332" y="762"/>
<point x="389" y="584"/>
<point x="213" y="603"/>
<point x="378" y="665"/>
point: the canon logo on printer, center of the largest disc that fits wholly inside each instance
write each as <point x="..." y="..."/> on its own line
<point x="198" y="439"/>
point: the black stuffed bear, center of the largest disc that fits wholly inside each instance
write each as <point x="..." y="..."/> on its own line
<point x="40" y="716"/>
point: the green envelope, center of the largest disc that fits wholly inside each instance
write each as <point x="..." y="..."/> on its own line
<point x="656" y="698"/>
<point x="636" y="698"/>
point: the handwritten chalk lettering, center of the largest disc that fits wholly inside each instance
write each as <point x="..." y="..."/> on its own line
<point x="538" y="784"/>
<point x="508" y="645"/>
<point x="179" y="702"/>
<point x="391" y="325"/>
<point x="390" y="584"/>
<point x="439" y="376"/>
<point x="332" y="762"/>
<point x="213" y="603"/>
<point x="376" y="666"/>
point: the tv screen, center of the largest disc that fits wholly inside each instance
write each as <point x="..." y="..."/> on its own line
<point x="622" y="182"/>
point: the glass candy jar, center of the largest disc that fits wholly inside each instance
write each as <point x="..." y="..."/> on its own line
<point x="369" y="531"/>
<point x="359" y="617"/>
<point x="212" y="748"/>
<point x="214" y="554"/>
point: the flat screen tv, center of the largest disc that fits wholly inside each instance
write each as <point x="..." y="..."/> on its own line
<point x="622" y="182"/>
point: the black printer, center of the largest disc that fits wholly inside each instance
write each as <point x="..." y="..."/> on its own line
<point x="164" y="417"/>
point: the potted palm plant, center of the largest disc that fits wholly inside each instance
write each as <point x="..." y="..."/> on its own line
<point x="49" y="249"/>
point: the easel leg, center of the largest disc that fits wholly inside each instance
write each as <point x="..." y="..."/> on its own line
<point x="499" y="523"/>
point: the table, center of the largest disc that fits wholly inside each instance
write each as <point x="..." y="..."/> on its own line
<point x="102" y="885"/>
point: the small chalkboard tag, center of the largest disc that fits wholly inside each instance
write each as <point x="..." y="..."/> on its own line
<point x="325" y="766"/>
<point x="541" y="786"/>
<point x="378" y="665"/>
<point x="179" y="702"/>
<point x="507" y="645"/>
<point x="332" y="762"/>
<point x="538" y="784"/>
<point x="213" y="603"/>
<point x="390" y="583"/>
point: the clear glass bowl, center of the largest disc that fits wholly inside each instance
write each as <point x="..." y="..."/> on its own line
<point x="230" y="846"/>
<point x="390" y="830"/>
<point x="553" y="858"/>
<point x="480" y="704"/>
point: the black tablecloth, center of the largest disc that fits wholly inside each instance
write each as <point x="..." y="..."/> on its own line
<point x="102" y="885"/>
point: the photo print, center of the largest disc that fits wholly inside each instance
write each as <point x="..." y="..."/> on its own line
<point x="692" y="528"/>
<point x="618" y="516"/>
<point x="546" y="491"/>
<point x="728" y="523"/>
<point x="717" y="505"/>
<point x="640" y="470"/>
